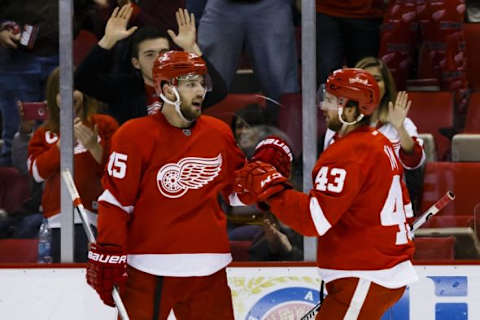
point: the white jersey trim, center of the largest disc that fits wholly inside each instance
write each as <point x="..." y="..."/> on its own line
<point x="180" y="265"/>
<point x="319" y="220"/>
<point x="108" y="197"/>
<point x="395" y="277"/>
<point x="35" y="173"/>
<point x="358" y="299"/>
<point x="55" y="221"/>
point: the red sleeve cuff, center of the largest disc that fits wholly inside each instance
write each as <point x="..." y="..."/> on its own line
<point x="412" y="159"/>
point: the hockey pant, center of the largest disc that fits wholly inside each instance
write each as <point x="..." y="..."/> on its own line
<point x="150" y="297"/>
<point x="354" y="298"/>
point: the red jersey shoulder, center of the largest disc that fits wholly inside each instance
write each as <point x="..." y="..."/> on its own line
<point x="138" y="128"/>
<point x="216" y="124"/>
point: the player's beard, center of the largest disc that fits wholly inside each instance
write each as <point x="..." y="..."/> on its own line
<point x="191" y="112"/>
<point x="334" y="124"/>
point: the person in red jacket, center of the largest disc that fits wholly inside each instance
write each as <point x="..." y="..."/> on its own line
<point x="160" y="209"/>
<point x="92" y="134"/>
<point x="358" y="207"/>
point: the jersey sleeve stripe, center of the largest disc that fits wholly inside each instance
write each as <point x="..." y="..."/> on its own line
<point x="319" y="220"/>
<point x="108" y="197"/>
<point x="35" y="173"/>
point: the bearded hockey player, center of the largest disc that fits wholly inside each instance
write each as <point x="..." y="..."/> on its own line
<point x="358" y="207"/>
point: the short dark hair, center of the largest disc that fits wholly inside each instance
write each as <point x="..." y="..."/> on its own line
<point x="142" y="34"/>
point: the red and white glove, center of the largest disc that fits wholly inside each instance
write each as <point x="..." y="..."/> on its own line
<point x="106" y="267"/>
<point x="258" y="181"/>
<point x="275" y="151"/>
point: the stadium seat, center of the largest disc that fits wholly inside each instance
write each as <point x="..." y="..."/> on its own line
<point x="472" y="122"/>
<point x="290" y="119"/>
<point x="466" y="147"/>
<point x="462" y="178"/>
<point x="14" y="189"/>
<point x="431" y="111"/>
<point x="434" y="248"/>
<point x="240" y="250"/>
<point x="83" y="43"/>
<point x="472" y="34"/>
<point x="18" y="250"/>
<point x="429" y="146"/>
<point x="225" y="109"/>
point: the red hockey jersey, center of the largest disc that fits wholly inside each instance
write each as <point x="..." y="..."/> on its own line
<point x="358" y="207"/>
<point x="44" y="165"/>
<point x="161" y="195"/>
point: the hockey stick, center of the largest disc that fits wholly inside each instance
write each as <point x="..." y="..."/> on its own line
<point x="437" y="206"/>
<point x="77" y="202"/>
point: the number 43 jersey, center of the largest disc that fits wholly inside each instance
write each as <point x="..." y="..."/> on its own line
<point x="359" y="208"/>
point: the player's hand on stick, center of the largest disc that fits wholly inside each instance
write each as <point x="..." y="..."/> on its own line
<point x="106" y="267"/>
<point x="258" y="181"/>
<point x="275" y="151"/>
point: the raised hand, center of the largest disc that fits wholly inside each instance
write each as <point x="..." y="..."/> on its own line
<point x="116" y="28"/>
<point x="398" y="112"/>
<point x="187" y="32"/>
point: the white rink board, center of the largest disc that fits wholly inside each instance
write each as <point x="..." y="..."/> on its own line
<point x="260" y="293"/>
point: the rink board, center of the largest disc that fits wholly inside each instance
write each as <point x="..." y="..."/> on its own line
<point x="444" y="292"/>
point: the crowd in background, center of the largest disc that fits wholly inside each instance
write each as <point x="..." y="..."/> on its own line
<point x="114" y="59"/>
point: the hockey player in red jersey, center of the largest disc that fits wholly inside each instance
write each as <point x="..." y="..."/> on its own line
<point x="160" y="209"/>
<point x="358" y="207"/>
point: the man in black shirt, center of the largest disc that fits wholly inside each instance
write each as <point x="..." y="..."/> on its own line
<point x="131" y="95"/>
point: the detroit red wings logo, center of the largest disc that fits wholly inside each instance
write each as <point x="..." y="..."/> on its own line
<point x="175" y="179"/>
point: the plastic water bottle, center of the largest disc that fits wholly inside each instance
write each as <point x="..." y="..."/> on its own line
<point x="44" y="243"/>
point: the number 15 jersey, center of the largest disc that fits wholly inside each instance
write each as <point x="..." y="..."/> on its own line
<point x="359" y="207"/>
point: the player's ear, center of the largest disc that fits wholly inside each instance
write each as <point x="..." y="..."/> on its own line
<point x="135" y="63"/>
<point x="168" y="91"/>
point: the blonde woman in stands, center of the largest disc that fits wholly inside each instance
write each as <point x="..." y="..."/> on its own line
<point x="391" y="120"/>
<point x="92" y="133"/>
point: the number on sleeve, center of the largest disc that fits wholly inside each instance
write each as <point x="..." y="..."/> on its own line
<point x="117" y="165"/>
<point x="393" y="212"/>
<point x="321" y="181"/>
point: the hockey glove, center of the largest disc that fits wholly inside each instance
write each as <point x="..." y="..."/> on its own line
<point x="258" y="181"/>
<point x="106" y="267"/>
<point x="275" y="151"/>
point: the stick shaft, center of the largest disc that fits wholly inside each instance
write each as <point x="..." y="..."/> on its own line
<point x="67" y="177"/>
<point x="437" y="206"/>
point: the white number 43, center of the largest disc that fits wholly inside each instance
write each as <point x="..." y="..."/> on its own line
<point x="321" y="181"/>
<point x="117" y="165"/>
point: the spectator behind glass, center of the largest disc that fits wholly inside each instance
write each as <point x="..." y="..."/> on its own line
<point x="24" y="69"/>
<point x="391" y="120"/>
<point x="265" y="29"/>
<point x="130" y="95"/>
<point x="347" y="31"/>
<point x="92" y="143"/>
<point x="270" y="239"/>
